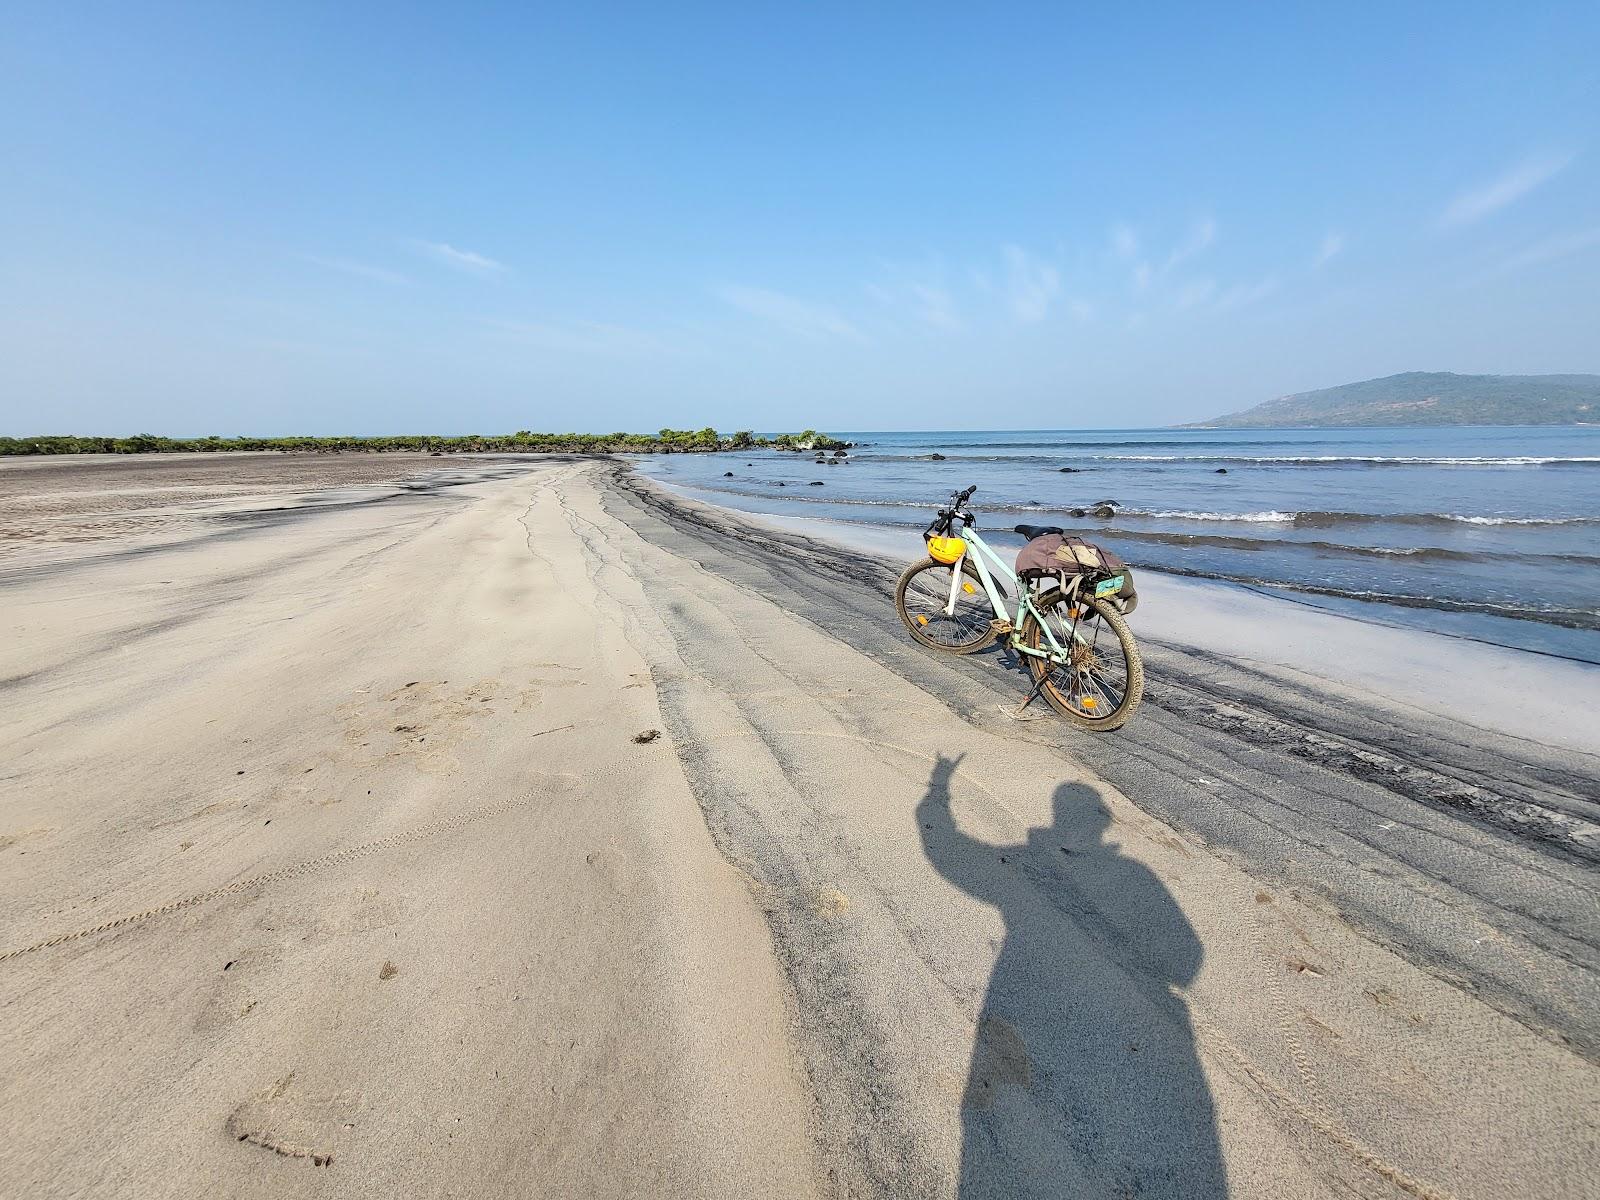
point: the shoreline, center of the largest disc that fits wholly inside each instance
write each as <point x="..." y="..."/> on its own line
<point x="1428" y="613"/>
<point x="462" y="838"/>
<point x="1426" y="668"/>
<point x="1464" y="533"/>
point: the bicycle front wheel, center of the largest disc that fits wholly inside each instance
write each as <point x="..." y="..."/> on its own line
<point x="923" y="594"/>
<point x="1101" y="680"/>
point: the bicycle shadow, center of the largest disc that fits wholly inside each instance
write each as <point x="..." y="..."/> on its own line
<point x="1084" y="1078"/>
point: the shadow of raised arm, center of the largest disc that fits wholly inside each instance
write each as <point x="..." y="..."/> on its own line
<point x="963" y="860"/>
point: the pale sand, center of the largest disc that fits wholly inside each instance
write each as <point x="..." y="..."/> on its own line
<point x="401" y="908"/>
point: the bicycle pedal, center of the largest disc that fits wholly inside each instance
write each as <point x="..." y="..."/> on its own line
<point x="1001" y="627"/>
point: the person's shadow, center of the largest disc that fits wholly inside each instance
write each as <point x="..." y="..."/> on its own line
<point x="1084" y="1079"/>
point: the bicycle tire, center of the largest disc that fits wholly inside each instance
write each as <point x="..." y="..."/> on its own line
<point x="977" y="615"/>
<point x="1070" y="702"/>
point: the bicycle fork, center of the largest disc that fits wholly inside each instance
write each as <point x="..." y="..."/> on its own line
<point x="955" y="586"/>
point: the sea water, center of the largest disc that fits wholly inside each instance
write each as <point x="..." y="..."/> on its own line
<point x="1491" y="533"/>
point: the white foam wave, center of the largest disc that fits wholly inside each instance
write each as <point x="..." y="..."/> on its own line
<point x="1272" y="516"/>
<point x="1515" y="520"/>
<point x="1517" y="460"/>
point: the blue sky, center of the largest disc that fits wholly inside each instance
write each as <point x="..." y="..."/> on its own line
<point x="476" y="218"/>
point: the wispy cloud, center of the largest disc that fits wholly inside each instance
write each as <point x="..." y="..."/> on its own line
<point x="361" y="270"/>
<point x="1032" y="284"/>
<point x="935" y="305"/>
<point x="1124" y="240"/>
<point x="917" y="292"/>
<point x="1332" y="246"/>
<point x="1147" y="273"/>
<point x="462" y="260"/>
<point x="585" y="337"/>
<point x="1551" y="249"/>
<point x="799" y="317"/>
<point x="1194" y="294"/>
<point x="1200" y="237"/>
<point x="1242" y="295"/>
<point x="1476" y="203"/>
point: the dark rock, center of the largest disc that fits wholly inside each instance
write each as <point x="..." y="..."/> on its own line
<point x="816" y="483"/>
<point x="841" y="454"/>
<point x="1079" y="513"/>
<point x="936" y="457"/>
<point x="1109" y="503"/>
<point x="1068" y="470"/>
<point x="1104" y="510"/>
<point x="1222" y="470"/>
<point x="727" y="474"/>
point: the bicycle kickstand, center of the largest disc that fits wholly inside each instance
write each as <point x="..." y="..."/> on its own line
<point x="1018" y="714"/>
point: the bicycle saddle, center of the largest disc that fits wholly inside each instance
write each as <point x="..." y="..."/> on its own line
<point x="1032" y="531"/>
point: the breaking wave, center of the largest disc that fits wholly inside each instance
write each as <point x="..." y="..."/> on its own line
<point x="1364" y="460"/>
<point x="1308" y="519"/>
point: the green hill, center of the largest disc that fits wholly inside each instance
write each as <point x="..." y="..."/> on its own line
<point x="1429" y="398"/>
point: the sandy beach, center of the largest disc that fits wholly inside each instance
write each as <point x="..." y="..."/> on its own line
<point x="385" y="825"/>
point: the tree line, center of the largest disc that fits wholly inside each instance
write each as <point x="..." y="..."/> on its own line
<point x="665" y="441"/>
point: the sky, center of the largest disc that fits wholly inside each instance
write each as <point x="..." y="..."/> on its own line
<point x="307" y="218"/>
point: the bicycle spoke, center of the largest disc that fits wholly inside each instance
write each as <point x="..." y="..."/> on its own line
<point x="1088" y="679"/>
<point x="925" y="597"/>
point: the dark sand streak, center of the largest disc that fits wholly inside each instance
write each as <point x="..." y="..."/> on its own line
<point x="1483" y="885"/>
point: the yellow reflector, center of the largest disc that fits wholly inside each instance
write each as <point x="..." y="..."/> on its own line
<point x="1089" y="702"/>
<point x="1072" y="612"/>
<point x="968" y="588"/>
<point x="923" y="620"/>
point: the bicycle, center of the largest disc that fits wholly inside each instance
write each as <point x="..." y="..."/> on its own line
<point x="1056" y="631"/>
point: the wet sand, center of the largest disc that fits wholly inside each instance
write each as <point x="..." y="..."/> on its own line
<point x="332" y="865"/>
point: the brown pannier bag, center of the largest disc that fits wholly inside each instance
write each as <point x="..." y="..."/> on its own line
<point x="1063" y="555"/>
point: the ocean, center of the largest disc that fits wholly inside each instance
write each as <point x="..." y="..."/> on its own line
<point x="1489" y="533"/>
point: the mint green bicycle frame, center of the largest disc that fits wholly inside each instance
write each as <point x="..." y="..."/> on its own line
<point x="1057" y="653"/>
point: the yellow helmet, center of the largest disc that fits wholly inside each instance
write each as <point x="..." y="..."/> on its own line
<point x="947" y="549"/>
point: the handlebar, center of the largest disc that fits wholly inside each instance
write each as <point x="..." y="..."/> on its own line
<point x="948" y="516"/>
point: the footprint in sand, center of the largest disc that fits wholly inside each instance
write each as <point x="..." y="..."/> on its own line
<point x="289" y="1120"/>
<point x="421" y="721"/>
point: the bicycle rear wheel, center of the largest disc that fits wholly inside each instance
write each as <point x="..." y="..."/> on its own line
<point x="922" y="595"/>
<point x="1101" y="684"/>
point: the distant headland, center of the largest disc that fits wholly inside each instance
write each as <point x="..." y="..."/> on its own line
<point x="1428" y="398"/>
